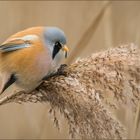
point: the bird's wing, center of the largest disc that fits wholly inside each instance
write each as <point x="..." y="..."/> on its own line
<point x="14" y="44"/>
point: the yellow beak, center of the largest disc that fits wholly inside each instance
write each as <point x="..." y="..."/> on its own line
<point x="65" y="49"/>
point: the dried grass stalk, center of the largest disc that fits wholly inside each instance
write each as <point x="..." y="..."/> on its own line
<point x="93" y="85"/>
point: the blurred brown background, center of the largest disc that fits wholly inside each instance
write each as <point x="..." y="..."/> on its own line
<point x="99" y="25"/>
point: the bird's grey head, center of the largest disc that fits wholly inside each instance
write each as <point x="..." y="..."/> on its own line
<point x="55" y="40"/>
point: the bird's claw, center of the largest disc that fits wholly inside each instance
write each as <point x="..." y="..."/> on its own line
<point x="60" y="71"/>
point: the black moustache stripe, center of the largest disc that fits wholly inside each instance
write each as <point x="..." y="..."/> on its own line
<point x="55" y="50"/>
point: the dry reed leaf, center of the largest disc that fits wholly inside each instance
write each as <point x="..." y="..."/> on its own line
<point x="92" y="88"/>
<point x="137" y="120"/>
<point x="86" y="37"/>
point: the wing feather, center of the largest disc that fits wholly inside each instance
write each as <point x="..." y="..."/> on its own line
<point x="14" y="45"/>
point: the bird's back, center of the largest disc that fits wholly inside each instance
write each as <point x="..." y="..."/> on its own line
<point x="26" y="61"/>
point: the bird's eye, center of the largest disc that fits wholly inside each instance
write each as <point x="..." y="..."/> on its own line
<point x="58" y="45"/>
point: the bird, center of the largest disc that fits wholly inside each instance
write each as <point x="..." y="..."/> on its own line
<point x="30" y="55"/>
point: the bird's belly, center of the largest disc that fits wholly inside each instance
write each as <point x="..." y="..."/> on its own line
<point x="29" y="70"/>
<point x="34" y="72"/>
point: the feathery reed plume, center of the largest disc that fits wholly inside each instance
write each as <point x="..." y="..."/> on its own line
<point x="92" y="88"/>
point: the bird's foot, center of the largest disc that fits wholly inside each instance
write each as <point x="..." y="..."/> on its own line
<point x="60" y="71"/>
